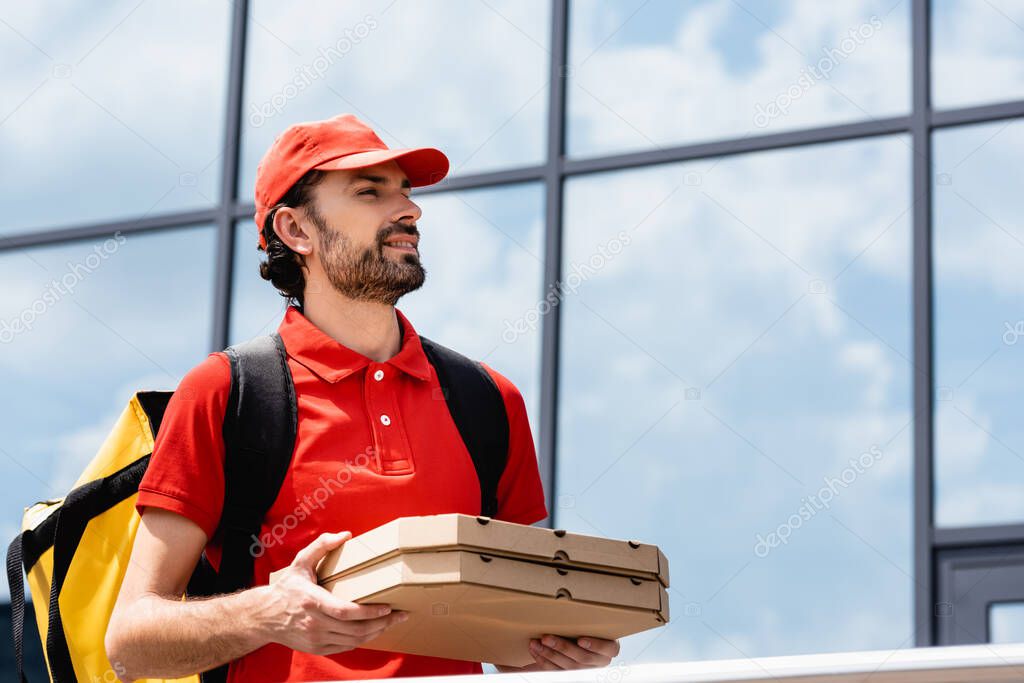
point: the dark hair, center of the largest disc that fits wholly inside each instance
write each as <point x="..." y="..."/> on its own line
<point x="283" y="267"/>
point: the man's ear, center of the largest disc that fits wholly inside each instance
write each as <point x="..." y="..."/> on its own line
<point x="289" y="226"/>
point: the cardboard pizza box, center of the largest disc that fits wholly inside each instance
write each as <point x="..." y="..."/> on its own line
<point x="506" y="539"/>
<point x="485" y="608"/>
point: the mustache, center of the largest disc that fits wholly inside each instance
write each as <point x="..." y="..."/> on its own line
<point x="396" y="228"/>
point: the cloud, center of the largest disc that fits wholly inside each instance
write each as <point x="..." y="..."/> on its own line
<point x="714" y="292"/>
<point x="680" y="86"/>
<point x="481" y="250"/>
<point x="979" y="233"/>
<point x="969" y="39"/>
<point x="87" y="114"/>
<point x="982" y="503"/>
<point x="484" y="112"/>
<point x="871" y="359"/>
<point x="76" y="448"/>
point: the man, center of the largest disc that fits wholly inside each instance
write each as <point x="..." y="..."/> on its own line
<point x="339" y="229"/>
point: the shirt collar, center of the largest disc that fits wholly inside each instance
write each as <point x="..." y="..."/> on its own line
<point x="331" y="360"/>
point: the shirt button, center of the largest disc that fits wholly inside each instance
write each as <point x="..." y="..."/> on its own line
<point x="379" y="375"/>
<point x="385" y="420"/>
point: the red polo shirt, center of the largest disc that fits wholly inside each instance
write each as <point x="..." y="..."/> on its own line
<point x="373" y="444"/>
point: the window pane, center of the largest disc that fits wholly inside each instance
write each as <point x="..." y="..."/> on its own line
<point x="83" y="326"/>
<point x="484" y="306"/>
<point x="114" y="111"/>
<point x="979" y="325"/>
<point x="483" y="251"/>
<point x="1006" y="622"/>
<point x="977" y="52"/>
<point x="466" y="96"/>
<point x="736" y="387"/>
<point x="256" y="306"/>
<point x="650" y="74"/>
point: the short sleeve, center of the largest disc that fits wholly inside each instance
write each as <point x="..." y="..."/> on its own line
<point x="186" y="471"/>
<point x="520" y="491"/>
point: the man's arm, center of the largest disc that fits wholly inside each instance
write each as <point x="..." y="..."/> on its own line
<point x="153" y="633"/>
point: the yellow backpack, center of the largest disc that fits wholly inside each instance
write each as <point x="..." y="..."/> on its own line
<point x="75" y="550"/>
<point x="105" y="525"/>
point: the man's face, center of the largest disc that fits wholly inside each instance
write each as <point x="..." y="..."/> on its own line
<point x="366" y="233"/>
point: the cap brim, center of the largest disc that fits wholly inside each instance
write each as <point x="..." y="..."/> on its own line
<point x="423" y="165"/>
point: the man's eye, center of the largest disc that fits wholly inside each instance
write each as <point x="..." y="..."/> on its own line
<point x="371" y="190"/>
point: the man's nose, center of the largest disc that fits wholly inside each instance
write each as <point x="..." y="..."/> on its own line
<point x="408" y="212"/>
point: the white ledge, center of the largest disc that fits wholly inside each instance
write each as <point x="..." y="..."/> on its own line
<point x="960" y="664"/>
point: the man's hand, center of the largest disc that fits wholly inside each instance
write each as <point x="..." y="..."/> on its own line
<point x="554" y="653"/>
<point x="304" y="616"/>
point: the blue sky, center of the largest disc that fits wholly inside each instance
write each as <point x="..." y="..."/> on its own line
<point x="751" y="289"/>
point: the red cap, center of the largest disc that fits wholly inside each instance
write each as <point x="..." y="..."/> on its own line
<point x="342" y="142"/>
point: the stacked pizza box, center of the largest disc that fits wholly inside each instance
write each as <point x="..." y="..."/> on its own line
<point x="479" y="589"/>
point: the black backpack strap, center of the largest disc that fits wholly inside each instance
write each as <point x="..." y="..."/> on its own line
<point x="478" y="410"/>
<point x="259" y="436"/>
<point x="17" y="587"/>
<point x="260" y="425"/>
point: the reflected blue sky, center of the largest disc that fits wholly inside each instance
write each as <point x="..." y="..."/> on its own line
<point x="118" y="110"/>
<point x="492" y="239"/>
<point x="466" y="96"/>
<point x="1006" y="622"/>
<point x="123" y="317"/>
<point x="977" y="52"/>
<point x="751" y="337"/>
<point x="649" y="74"/>
<point x="256" y="307"/>
<point x="979" y="325"/>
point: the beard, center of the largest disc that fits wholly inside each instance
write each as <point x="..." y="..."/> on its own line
<point x="366" y="274"/>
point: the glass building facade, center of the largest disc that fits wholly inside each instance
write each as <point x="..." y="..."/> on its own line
<point x="754" y="265"/>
